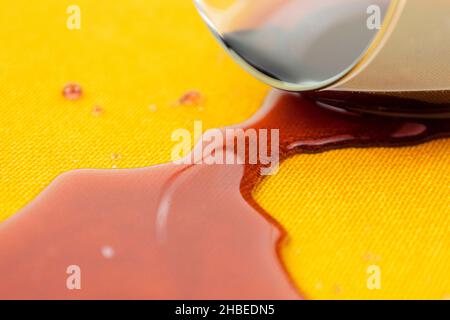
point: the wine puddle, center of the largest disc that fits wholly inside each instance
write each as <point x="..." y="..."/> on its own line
<point x="176" y="231"/>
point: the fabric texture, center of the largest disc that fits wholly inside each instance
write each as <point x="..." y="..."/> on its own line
<point x="343" y="210"/>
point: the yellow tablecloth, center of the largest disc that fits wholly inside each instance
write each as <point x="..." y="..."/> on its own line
<point x="343" y="210"/>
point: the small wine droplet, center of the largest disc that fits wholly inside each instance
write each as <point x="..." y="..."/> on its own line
<point x="72" y="91"/>
<point x="191" y="98"/>
<point x="97" y="111"/>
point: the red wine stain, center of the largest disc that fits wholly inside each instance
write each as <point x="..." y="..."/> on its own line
<point x="97" y="111"/>
<point x="178" y="231"/>
<point x="191" y="98"/>
<point x="72" y="91"/>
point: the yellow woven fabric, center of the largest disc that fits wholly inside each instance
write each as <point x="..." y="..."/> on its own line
<point x="349" y="209"/>
<point x="343" y="210"/>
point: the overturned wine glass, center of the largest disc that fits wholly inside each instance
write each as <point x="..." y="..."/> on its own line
<point x="369" y="56"/>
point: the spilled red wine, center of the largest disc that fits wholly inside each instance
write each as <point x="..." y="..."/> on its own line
<point x="177" y="231"/>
